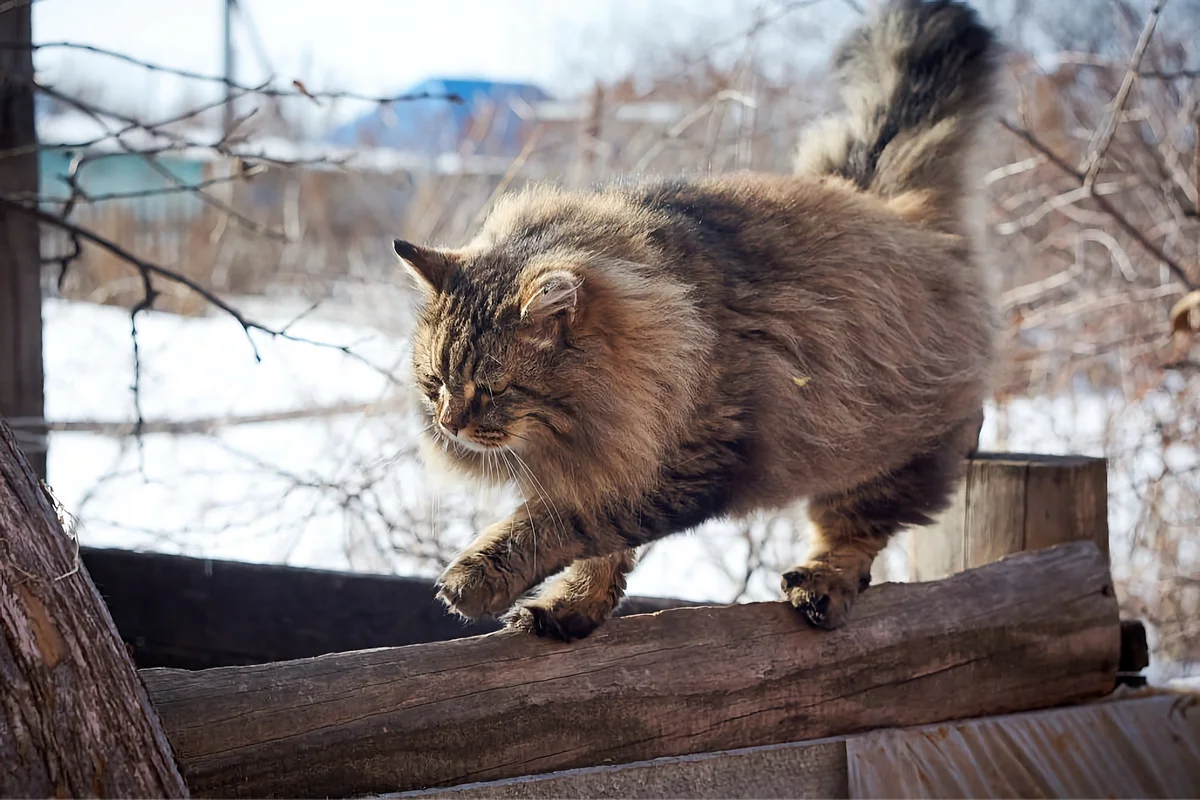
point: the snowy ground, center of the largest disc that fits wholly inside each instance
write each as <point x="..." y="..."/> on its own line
<point x="347" y="492"/>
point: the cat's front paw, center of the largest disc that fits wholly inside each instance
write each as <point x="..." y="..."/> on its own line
<point x="475" y="587"/>
<point x="823" y="594"/>
<point x="552" y="621"/>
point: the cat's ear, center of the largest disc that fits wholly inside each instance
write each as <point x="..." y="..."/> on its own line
<point x="550" y="295"/>
<point x="429" y="268"/>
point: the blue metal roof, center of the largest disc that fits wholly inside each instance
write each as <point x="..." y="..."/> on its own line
<point x="438" y="126"/>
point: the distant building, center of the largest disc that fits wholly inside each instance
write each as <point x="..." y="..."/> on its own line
<point x="496" y="116"/>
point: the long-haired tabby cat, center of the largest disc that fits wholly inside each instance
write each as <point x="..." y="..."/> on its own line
<point x="643" y="358"/>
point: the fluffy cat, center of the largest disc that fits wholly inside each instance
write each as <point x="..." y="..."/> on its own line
<point x="645" y="357"/>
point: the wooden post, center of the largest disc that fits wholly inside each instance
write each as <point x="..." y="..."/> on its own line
<point x="20" y="262"/>
<point x="1010" y="503"/>
<point x="1034" y="631"/>
<point x="75" y="720"/>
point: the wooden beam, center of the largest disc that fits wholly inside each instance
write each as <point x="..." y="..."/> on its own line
<point x="74" y="718"/>
<point x="21" y="383"/>
<point x="1009" y="503"/>
<point x="1034" y="630"/>
<point x="196" y="613"/>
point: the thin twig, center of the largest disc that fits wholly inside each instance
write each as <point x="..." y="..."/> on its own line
<point x="149" y="293"/>
<point x="1085" y="59"/>
<point x="98" y="114"/>
<point x="1108" y="208"/>
<point x="1091" y="165"/>
<point x="130" y="126"/>
<point x="509" y="175"/>
<point x="1170" y="75"/>
<point x="90" y="199"/>
<point x="190" y="427"/>
<point x="149" y="268"/>
<point x="298" y="89"/>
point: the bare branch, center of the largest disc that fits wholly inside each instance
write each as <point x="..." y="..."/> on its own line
<point x="149" y="269"/>
<point x="1170" y="75"/>
<point x="201" y="426"/>
<point x="1084" y="59"/>
<point x="152" y="162"/>
<point x="1091" y="165"/>
<point x="1108" y="208"/>
<point x="265" y="91"/>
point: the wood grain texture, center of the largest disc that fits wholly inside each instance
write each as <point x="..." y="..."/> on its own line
<point x="21" y="392"/>
<point x="1009" y="503"/>
<point x="75" y="720"/>
<point x="196" y="613"/>
<point x="796" y="770"/>
<point x="1066" y="500"/>
<point x="1031" y="631"/>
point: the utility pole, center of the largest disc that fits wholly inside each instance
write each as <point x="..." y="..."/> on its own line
<point x="230" y="68"/>
<point x="21" y="379"/>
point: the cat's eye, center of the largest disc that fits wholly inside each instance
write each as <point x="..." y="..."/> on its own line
<point x="495" y="388"/>
<point x="431" y="387"/>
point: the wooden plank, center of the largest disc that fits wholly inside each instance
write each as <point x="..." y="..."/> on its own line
<point x="74" y="718"/>
<point x="995" y="516"/>
<point x="1008" y="503"/>
<point x="196" y="613"/>
<point x="797" y="770"/>
<point x="1031" y="631"/>
<point x="20" y="263"/>
<point x="1139" y="747"/>
<point x="1066" y="499"/>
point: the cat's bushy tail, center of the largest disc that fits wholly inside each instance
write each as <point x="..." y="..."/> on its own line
<point x="917" y="80"/>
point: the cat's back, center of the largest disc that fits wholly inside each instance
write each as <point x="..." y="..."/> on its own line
<point x="762" y="230"/>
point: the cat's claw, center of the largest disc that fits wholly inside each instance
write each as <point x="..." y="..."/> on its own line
<point x="823" y="595"/>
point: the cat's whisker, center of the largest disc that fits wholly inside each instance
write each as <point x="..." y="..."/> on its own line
<point x="525" y="499"/>
<point x="561" y="526"/>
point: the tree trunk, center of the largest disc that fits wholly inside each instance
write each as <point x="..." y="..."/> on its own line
<point x="20" y="263"/>
<point x="1032" y="631"/>
<point x="75" y="720"/>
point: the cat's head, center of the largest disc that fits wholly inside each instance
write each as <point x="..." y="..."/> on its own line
<point x="490" y="354"/>
<point x="549" y="337"/>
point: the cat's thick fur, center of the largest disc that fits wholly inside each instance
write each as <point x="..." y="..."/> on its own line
<point x="643" y="358"/>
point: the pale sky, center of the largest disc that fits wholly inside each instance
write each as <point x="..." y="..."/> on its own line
<point x="373" y="46"/>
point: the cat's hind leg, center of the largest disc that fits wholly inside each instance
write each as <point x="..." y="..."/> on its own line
<point x="850" y="528"/>
<point x="579" y="600"/>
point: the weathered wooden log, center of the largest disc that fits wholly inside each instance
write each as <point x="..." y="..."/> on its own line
<point x="196" y="613"/>
<point x="74" y="717"/>
<point x="1009" y="503"/>
<point x="1035" y="630"/>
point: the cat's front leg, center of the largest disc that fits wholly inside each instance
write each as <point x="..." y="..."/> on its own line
<point x="502" y="563"/>
<point x="579" y="600"/>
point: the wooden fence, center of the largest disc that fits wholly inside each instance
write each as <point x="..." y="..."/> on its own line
<point x="294" y="713"/>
